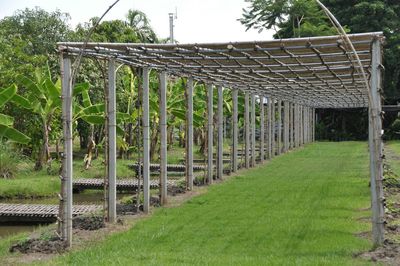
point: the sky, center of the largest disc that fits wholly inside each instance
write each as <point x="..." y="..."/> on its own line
<point x="198" y="21"/>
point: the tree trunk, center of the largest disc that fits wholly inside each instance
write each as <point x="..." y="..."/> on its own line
<point x="44" y="154"/>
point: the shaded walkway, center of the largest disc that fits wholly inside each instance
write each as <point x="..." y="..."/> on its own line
<point x="301" y="209"/>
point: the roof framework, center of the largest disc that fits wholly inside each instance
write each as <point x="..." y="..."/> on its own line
<point x="318" y="71"/>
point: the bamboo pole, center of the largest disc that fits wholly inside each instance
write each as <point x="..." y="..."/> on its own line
<point x="163" y="138"/>
<point x="189" y="134"/>
<point x="146" y="141"/>
<point x="375" y="147"/>
<point x="68" y="151"/>
<point x="210" y="131"/>
<point x="220" y="133"/>
<point x="247" y="129"/>
<point x="262" y="130"/>
<point x="235" y="130"/>
<point x="253" y="130"/>
<point x="112" y="144"/>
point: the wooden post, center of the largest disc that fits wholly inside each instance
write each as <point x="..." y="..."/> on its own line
<point x="273" y="150"/>
<point x="269" y="127"/>
<point x="247" y="128"/>
<point x="146" y="141"/>
<point x="163" y="138"/>
<point x="220" y="133"/>
<point x="262" y="131"/>
<point x="210" y="131"/>
<point x="66" y="228"/>
<point x="375" y="146"/>
<point x="235" y="130"/>
<point x="189" y="134"/>
<point x="112" y="144"/>
<point x="253" y="130"/>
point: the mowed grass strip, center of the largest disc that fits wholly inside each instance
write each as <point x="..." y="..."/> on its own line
<point x="299" y="209"/>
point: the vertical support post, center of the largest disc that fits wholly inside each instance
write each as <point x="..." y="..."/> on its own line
<point x="262" y="130"/>
<point x="291" y="123"/>
<point x="273" y="124"/>
<point x="247" y="129"/>
<point x="210" y="133"/>
<point x="163" y="138"/>
<point x="220" y="133"/>
<point x="375" y="146"/>
<point x="235" y="130"/>
<point x="112" y="144"/>
<point x="253" y="130"/>
<point x="296" y="125"/>
<point x="286" y="126"/>
<point x="301" y="125"/>
<point x="269" y="127"/>
<point x="189" y="134"/>
<point x="313" y="124"/>
<point x="146" y="141"/>
<point x="279" y="139"/>
<point x="66" y="228"/>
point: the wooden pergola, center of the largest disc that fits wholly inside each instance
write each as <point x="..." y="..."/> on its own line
<point x="289" y="78"/>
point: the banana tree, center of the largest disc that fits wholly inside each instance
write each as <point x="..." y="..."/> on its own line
<point x="43" y="97"/>
<point x="6" y="122"/>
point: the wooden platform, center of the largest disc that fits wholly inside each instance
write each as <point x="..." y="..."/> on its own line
<point x="155" y="167"/>
<point x="39" y="212"/>
<point x="122" y="185"/>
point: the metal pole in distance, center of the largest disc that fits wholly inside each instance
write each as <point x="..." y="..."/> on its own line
<point x="247" y="129"/>
<point x="210" y="132"/>
<point x="269" y="127"/>
<point x="375" y="146"/>
<point x="220" y="132"/>
<point x="68" y="151"/>
<point x="112" y="143"/>
<point x="253" y="130"/>
<point x="291" y="126"/>
<point x="273" y="119"/>
<point x="189" y="134"/>
<point x="279" y="139"/>
<point x="235" y="129"/>
<point x="163" y="138"/>
<point x="262" y="130"/>
<point x="146" y="141"/>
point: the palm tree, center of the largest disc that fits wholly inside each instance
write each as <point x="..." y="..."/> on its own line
<point x="141" y="25"/>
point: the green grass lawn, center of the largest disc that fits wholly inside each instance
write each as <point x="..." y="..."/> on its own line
<point x="299" y="209"/>
<point x="394" y="148"/>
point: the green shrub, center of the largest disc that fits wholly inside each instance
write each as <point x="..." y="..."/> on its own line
<point x="8" y="162"/>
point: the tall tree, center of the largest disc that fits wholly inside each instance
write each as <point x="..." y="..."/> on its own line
<point x="289" y="18"/>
